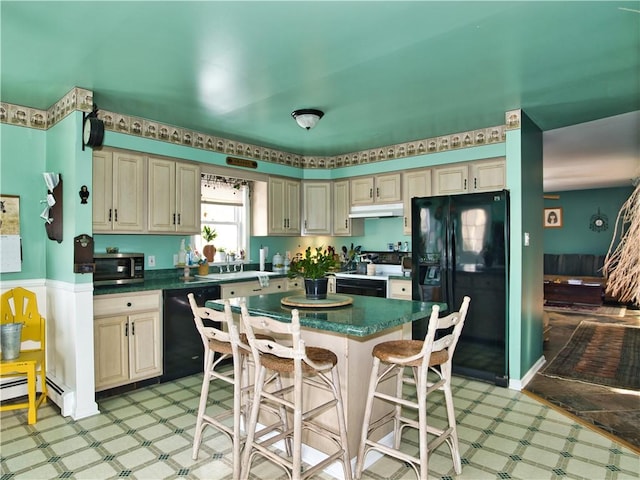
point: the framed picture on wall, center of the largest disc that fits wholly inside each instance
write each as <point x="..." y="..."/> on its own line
<point x="553" y="217"/>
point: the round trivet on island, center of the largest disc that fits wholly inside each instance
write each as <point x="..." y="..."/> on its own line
<point x="332" y="300"/>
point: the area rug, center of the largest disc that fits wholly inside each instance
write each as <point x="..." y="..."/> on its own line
<point x="601" y="354"/>
<point x="594" y="309"/>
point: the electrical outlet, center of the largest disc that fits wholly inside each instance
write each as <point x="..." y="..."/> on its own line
<point x="151" y="261"/>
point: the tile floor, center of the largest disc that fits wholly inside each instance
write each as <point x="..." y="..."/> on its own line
<point x="615" y="412"/>
<point x="147" y="434"/>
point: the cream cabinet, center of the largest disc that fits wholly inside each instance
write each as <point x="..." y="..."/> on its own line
<point x="173" y="196"/>
<point x="415" y="183"/>
<point x="331" y="284"/>
<point x="276" y="207"/>
<point x="118" y="192"/>
<point x="481" y="176"/>
<point x="400" y="289"/>
<point x="253" y="287"/>
<point x="127" y="338"/>
<point x="342" y="224"/>
<point x="488" y="176"/>
<point x="294" y="283"/>
<point x="384" y="188"/>
<point x="316" y="205"/>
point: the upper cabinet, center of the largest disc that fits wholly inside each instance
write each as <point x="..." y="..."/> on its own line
<point x="316" y="204"/>
<point x="276" y="207"/>
<point x="173" y="196"/>
<point x="482" y="176"/>
<point x="118" y="192"/>
<point x="415" y="183"/>
<point x="384" y="188"/>
<point x="342" y="224"/>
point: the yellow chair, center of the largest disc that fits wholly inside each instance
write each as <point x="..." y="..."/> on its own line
<point x="20" y="306"/>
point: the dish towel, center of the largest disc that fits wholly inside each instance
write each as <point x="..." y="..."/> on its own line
<point x="264" y="280"/>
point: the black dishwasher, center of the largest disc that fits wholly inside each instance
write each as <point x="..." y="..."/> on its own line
<point x="182" y="350"/>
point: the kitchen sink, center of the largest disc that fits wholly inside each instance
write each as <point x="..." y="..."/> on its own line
<point x="249" y="274"/>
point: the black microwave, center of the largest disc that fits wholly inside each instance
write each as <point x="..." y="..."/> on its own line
<point x="118" y="268"/>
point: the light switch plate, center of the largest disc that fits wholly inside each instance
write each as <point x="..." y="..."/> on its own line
<point x="151" y="261"/>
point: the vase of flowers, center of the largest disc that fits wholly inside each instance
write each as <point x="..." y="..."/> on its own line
<point x="208" y="235"/>
<point x="313" y="268"/>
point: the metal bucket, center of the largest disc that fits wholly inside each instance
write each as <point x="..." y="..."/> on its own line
<point x="10" y="334"/>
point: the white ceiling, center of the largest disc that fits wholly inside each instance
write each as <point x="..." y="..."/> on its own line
<point x="599" y="154"/>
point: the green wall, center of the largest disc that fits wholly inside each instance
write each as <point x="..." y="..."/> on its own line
<point x="22" y="161"/>
<point x="578" y="206"/>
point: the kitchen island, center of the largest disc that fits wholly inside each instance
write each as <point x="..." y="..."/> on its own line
<point x="350" y="332"/>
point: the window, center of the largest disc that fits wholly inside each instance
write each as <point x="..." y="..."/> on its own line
<point x="225" y="208"/>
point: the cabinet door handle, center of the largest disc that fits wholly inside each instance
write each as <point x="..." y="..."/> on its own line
<point x="179" y="220"/>
<point x="174" y="218"/>
<point x="116" y="211"/>
<point x="305" y="224"/>
<point x="128" y="304"/>
<point x="371" y="193"/>
<point x="405" y="221"/>
<point x="133" y="328"/>
<point x="465" y="183"/>
<point x="126" y="330"/>
<point x="346" y="225"/>
<point x="377" y="193"/>
<point x="475" y="183"/>
<point x="110" y="210"/>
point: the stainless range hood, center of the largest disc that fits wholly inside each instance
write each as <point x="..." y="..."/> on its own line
<point x="376" y="211"/>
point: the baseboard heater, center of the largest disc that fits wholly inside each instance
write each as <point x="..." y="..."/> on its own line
<point x="58" y="393"/>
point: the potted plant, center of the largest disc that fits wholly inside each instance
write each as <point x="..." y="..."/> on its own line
<point x="313" y="268"/>
<point x="209" y="234"/>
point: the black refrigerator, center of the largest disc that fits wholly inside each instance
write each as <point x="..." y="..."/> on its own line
<point x="460" y="246"/>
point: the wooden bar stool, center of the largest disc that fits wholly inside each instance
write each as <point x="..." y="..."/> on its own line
<point x="389" y="360"/>
<point x="232" y="345"/>
<point x="311" y="369"/>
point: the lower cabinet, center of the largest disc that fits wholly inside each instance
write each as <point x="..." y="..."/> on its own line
<point x="248" y="289"/>
<point x="127" y="338"/>
<point x="400" y="289"/>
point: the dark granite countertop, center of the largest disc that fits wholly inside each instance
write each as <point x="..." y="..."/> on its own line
<point x="168" y="280"/>
<point x="365" y="316"/>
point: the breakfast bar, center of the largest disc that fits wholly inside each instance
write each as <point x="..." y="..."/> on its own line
<point x="350" y="331"/>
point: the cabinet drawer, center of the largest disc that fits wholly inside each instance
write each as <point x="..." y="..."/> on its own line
<point x="248" y="289"/>
<point x="400" y="289"/>
<point x="126" y="304"/>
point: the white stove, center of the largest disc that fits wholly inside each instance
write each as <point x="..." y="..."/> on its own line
<point x="383" y="272"/>
<point x="376" y="285"/>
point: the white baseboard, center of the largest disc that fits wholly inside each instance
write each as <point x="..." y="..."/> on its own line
<point x="520" y="384"/>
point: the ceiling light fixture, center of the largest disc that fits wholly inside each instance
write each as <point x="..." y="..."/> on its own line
<point x="307" y="117"/>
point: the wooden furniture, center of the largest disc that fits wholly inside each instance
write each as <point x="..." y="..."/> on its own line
<point x="561" y="291"/>
<point x="383" y="188"/>
<point x="481" y="176"/>
<point x="316" y="206"/>
<point x="276" y="207"/>
<point x="227" y="345"/>
<point x="350" y="332"/>
<point x="127" y="338"/>
<point x="342" y="224"/>
<point x="20" y="306"/>
<point x="400" y="289"/>
<point x="415" y="183"/>
<point x="118" y="192"/>
<point x="173" y="203"/>
<point x="253" y="287"/>
<point x="310" y="369"/>
<point x="390" y="359"/>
